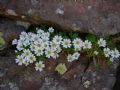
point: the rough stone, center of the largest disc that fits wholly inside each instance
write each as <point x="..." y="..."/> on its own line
<point x="11" y="29"/>
<point x="100" y="17"/>
<point x="14" y="77"/>
<point x="100" y="79"/>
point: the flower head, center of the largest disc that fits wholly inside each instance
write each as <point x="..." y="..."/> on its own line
<point x="57" y="39"/>
<point x="54" y="46"/>
<point x="54" y="55"/>
<point x="35" y="37"/>
<point x="70" y="58"/>
<point x="51" y="29"/>
<point x="23" y="35"/>
<point x="77" y="43"/>
<point x="107" y="52"/>
<point x="101" y="42"/>
<point x="14" y="42"/>
<point x="31" y="58"/>
<point x="40" y="32"/>
<point x="19" y="59"/>
<point x="19" y="47"/>
<point x="76" y="55"/>
<point x="87" y="45"/>
<point x="38" y="51"/>
<point x="45" y="35"/>
<point x="48" y="52"/>
<point x="66" y="43"/>
<point x="39" y="66"/>
<point x="115" y="53"/>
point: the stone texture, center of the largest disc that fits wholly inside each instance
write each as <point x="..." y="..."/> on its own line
<point x="14" y="77"/>
<point x="100" y="17"/>
<point x="11" y="29"/>
<point x="100" y="79"/>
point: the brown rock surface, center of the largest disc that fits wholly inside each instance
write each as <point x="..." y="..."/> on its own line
<point x="11" y="29"/>
<point x="100" y="17"/>
<point x="13" y="77"/>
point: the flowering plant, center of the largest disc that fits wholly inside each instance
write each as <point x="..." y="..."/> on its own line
<point x="34" y="47"/>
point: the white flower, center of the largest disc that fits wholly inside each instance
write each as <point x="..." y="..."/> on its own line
<point x="96" y="52"/>
<point x="38" y="45"/>
<point x="87" y="45"/>
<point x="38" y="51"/>
<point x="32" y="46"/>
<point x="40" y="31"/>
<point x="57" y="39"/>
<point x="45" y="39"/>
<point x="54" y="55"/>
<point x="35" y="37"/>
<point x="45" y="45"/>
<point x="107" y="52"/>
<point x="78" y="43"/>
<point x="45" y="35"/>
<point x="14" y="42"/>
<point x="115" y="53"/>
<point x="101" y="42"/>
<point x="23" y="35"/>
<point x="19" y="59"/>
<point x="30" y="35"/>
<point x="39" y="66"/>
<point x="76" y="55"/>
<point x="27" y="52"/>
<point x="31" y="58"/>
<point x="51" y="29"/>
<point x="58" y="50"/>
<point x="54" y="46"/>
<point x="20" y="47"/>
<point x="20" y="41"/>
<point x="26" y="42"/>
<point x="49" y="52"/>
<point x="70" y="58"/>
<point x="66" y="43"/>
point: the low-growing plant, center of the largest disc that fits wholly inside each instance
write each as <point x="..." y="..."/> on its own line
<point x="46" y="42"/>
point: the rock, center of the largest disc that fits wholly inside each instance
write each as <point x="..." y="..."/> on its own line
<point x="14" y="77"/>
<point x="100" y="79"/>
<point x="2" y="72"/>
<point x="117" y="83"/>
<point x="11" y="29"/>
<point x="99" y="17"/>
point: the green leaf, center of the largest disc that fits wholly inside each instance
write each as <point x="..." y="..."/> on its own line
<point x="61" y="68"/>
<point x="40" y="57"/>
<point x="18" y="52"/>
<point x="73" y="35"/>
<point x="91" y="38"/>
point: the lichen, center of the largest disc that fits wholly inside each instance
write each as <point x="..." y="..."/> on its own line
<point x="2" y="41"/>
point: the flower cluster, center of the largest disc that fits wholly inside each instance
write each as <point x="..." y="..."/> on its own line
<point x="34" y="47"/>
